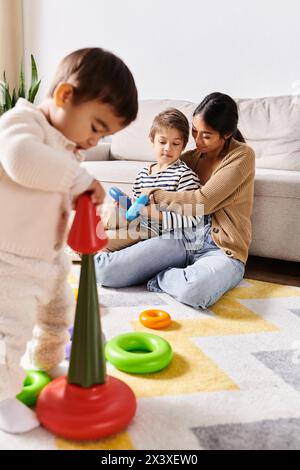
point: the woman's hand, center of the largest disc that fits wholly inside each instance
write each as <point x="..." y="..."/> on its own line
<point x="150" y="211"/>
<point x="149" y="191"/>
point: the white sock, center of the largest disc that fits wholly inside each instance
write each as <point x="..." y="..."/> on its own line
<point x="59" y="370"/>
<point x="16" y="418"/>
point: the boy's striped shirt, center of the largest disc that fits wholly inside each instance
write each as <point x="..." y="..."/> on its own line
<point x="177" y="177"/>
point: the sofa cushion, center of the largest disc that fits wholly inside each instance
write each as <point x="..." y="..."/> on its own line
<point x="132" y="143"/>
<point x="271" y="127"/>
<point x="277" y="183"/>
<point x="115" y="171"/>
<point x="98" y="153"/>
<point x="271" y="183"/>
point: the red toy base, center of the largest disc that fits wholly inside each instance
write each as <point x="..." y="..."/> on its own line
<point x="86" y="414"/>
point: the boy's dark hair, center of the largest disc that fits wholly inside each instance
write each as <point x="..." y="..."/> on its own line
<point x="172" y="118"/>
<point x="220" y="112"/>
<point x="99" y="74"/>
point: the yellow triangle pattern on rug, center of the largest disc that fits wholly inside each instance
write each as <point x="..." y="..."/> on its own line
<point x="120" y="441"/>
<point x="192" y="371"/>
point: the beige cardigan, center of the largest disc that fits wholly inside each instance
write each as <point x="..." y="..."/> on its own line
<point x="227" y="196"/>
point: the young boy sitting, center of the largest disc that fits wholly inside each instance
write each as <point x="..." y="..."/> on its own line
<point x="169" y="135"/>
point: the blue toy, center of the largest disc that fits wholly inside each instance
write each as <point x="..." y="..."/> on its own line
<point x="134" y="211"/>
<point x="120" y="197"/>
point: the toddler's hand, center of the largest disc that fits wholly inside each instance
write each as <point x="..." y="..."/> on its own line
<point x="97" y="193"/>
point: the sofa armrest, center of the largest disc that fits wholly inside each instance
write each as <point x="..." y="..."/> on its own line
<point x="99" y="153"/>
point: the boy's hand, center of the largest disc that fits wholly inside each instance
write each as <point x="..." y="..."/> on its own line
<point x="97" y="193"/>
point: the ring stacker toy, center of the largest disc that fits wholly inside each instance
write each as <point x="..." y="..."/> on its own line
<point x="138" y="353"/>
<point x="134" y="210"/>
<point x="69" y="344"/>
<point x="88" y="404"/>
<point x="155" y="319"/>
<point x="121" y="198"/>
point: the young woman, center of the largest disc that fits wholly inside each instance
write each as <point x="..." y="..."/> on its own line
<point x="225" y="166"/>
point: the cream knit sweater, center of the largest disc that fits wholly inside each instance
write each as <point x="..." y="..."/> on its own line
<point x="227" y="195"/>
<point x="40" y="173"/>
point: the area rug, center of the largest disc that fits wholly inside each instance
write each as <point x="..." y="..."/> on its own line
<point x="234" y="382"/>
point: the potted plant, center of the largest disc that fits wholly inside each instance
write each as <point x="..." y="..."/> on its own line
<point x="8" y="99"/>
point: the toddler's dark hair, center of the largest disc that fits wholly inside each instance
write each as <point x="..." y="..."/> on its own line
<point x="99" y="74"/>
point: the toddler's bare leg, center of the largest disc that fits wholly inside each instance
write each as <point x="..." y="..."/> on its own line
<point x="17" y="317"/>
<point x="50" y="332"/>
<point x="18" y="308"/>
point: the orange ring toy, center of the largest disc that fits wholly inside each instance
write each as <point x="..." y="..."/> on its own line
<point x="155" y="319"/>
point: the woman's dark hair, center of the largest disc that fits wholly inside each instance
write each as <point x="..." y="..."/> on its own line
<point x="99" y="74"/>
<point x="220" y="112"/>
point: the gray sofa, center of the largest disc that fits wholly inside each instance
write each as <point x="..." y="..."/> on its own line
<point x="271" y="127"/>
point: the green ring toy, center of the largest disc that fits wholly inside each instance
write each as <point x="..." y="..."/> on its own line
<point x="34" y="383"/>
<point x="138" y="353"/>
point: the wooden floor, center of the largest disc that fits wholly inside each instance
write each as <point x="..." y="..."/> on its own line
<point x="273" y="270"/>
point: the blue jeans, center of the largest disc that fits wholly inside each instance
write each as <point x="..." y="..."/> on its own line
<point x="194" y="277"/>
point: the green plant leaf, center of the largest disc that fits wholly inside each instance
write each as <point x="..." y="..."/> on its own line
<point x="14" y="98"/>
<point x="3" y="86"/>
<point x="33" y="91"/>
<point x="35" y="83"/>
<point x="2" y="93"/>
<point x="21" y="91"/>
<point x="34" y="72"/>
<point x="8" y="100"/>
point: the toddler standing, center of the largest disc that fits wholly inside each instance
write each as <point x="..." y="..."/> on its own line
<point x="40" y="178"/>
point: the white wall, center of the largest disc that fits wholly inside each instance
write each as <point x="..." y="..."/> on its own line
<point x="176" y="49"/>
